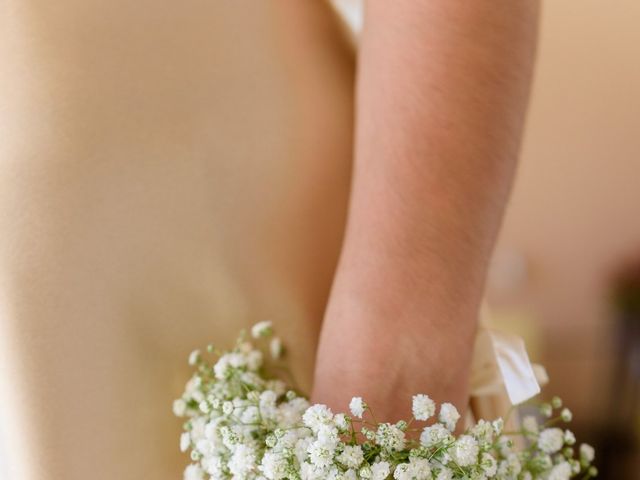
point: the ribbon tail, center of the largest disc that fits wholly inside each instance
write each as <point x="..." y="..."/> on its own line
<point x="501" y="363"/>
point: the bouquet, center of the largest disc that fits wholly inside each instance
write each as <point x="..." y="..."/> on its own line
<point x="244" y="423"/>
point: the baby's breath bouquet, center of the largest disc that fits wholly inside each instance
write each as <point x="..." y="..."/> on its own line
<point x="243" y="423"/>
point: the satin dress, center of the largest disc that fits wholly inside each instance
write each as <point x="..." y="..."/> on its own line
<point x="169" y="173"/>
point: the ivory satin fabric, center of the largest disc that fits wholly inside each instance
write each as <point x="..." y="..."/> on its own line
<point x="169" y="173"/>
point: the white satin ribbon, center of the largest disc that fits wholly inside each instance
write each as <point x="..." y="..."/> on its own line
<point x="501" y="363"/>
<point x="351" y="12"/>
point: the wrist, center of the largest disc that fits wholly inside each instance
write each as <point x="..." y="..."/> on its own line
<point x="386" y="365"/>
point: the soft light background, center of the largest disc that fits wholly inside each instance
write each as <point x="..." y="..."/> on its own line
<point x="574" y="217"/>
<point x="575" y="214"/>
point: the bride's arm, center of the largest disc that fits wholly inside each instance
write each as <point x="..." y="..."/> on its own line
<point x="441" y="96"/>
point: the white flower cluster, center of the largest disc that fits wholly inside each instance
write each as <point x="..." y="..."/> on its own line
<point x="243" y="424"/>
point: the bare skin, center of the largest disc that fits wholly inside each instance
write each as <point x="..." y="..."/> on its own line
<point x="442" y="93"/>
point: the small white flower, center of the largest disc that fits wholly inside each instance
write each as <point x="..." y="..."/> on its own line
<point x="290" y="395"/>
<point x="205" y="447"/>
<point x="227" y="408"/>
<point x="193" y="385"/>
<point x="198" y="427"/>
<point x="341" y="422"/>
<point x="365" y="472"/>
<point x="421" y="469"/>
<point x="357" y="407"/>
<point x="214" y="466"/>
<point x="309" y="471"/>
<point x="321" y="454"/>
<point x="544" y="461"/>
<point x="185" y="441"/>
<point x="569" y="437"/>
<point x="179" y="407"/>
<point x="562" y="471"/>
<point x="465" y="451"/>
<point x="254" y="360"/>
<point x="380" y="470"/>
<point x="274" y="466"/>
<point x="316" y="416"/>
<point x="368" y="434"/>
<point x="504" y="445"/>
<point x="483" y="431"/>
<point x="489" y="464"/>
<point x="498" y="426"/>
<point x="271" y="440"/>
<point x="416" y="469"/>
<point x="445" y="474"/>
<point x="423" y="407"/>
<point x="510" y="467"/>
<point x="250" y="415"/>
<point x="390" y="437"/>
<point x="402" y="472"/>
<point x="193" y="472"/>
<point x="327" y="434"/>
<point x="349" y="475"/>
<point x="434" y="435"/>
<point x="222" y="367"/>
<point x="262" y="329"/>
<point x="267" y="403"/>
<point x="204" y="406"/>
<point x="449" y="416"/>
<point x="551" y="440"/>
<point x="194" y="357"/>
<point x="275" y="348"/>
<point x="243" y="461"/>
<point x="566" y="415"/>
<point x="300" y="448"/>
<point x="546" y="410"/>
<point x="587" y="453"/>
<point x="237" y="360"/>
<point x="351" y="456"/>
<point x="575" y="466"/>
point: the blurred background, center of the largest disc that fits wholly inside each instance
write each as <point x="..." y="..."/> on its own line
<point x="566" y="273"/>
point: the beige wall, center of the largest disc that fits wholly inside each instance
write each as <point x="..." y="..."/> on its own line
<point x="575" y="212"/>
